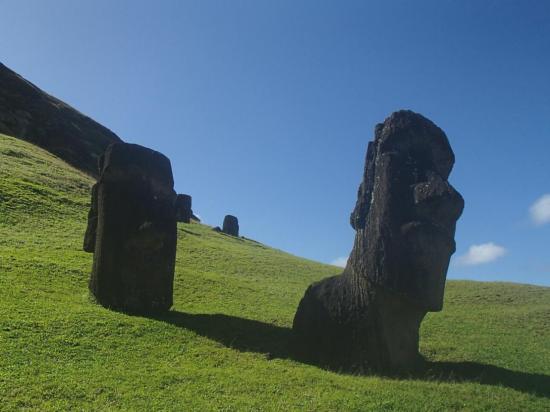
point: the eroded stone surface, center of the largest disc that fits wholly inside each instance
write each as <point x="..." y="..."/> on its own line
<point x="135" y="230"/>
<point x="369" y="316"/>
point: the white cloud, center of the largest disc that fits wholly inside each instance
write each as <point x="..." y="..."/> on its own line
<point x="484" y="253"/>
<point x="341" y="261"/>
<point x="540" y="210"/>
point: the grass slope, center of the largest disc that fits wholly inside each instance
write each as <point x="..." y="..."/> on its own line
<point x="224" y="345"/>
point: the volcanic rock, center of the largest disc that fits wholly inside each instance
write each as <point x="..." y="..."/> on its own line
<point x="91" y="229"/>
<point x="230" y="225"/>
<point x="183" y="208"/>
<point x="133" y="220"/>
<point x="368" y="317"/>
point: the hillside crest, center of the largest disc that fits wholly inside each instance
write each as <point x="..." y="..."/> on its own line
<point x="30" y="114"/>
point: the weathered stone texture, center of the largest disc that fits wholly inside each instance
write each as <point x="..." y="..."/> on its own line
<point x="183" y="208"/>
<point x="91" y="229"/>
<point x="135" y="230"/>
<point x="369" y="316"/>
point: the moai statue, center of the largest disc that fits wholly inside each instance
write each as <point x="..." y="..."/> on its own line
<point x="183" y="208"/>
<point x="368" y="317"/>
<point x="230" y="225"/>
<point x="132" y="230"/>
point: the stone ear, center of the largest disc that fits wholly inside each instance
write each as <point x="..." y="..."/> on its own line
<point x="100" y="162"/>
<point x="358" y="217"/>
<point x="91" y="229"/>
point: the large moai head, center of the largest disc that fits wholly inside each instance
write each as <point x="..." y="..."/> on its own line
<point x="406" y="210"/>
<point x="135" y="233"/>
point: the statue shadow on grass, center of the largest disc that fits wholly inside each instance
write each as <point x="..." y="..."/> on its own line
<point x="248" y="335"/>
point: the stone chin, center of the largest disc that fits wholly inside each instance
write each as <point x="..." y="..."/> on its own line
<point x="425" y="264"/>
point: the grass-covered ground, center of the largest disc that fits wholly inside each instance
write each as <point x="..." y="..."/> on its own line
<point x="223" y="347"/>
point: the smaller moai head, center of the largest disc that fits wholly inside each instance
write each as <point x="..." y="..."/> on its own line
<point x="134" y="226"/>
<point x="406" y="211"/>
<point x="183" y="208"/>
<point x="230" y="225"/>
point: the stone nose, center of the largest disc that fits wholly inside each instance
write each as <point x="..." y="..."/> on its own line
<point x="438" y="202"/>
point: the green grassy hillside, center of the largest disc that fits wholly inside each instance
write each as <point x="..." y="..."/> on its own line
<point x="223" y="347"/>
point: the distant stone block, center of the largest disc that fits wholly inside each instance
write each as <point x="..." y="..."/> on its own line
<point x="183" y="208"/>
<point x="230" y="225"/>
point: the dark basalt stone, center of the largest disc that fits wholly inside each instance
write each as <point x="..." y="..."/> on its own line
<point x="183" y="208"/>
<point x="368" y="317"/>
<point x="133" y="221"/>
<point x="230" y="225"/>
<point x="217" y="229"/>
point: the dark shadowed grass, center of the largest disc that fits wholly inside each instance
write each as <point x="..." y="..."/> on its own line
<point x="247" y="335"/>
<point x="225" y="344"/>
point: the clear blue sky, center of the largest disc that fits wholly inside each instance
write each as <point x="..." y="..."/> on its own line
<point x="265" y="108"/>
